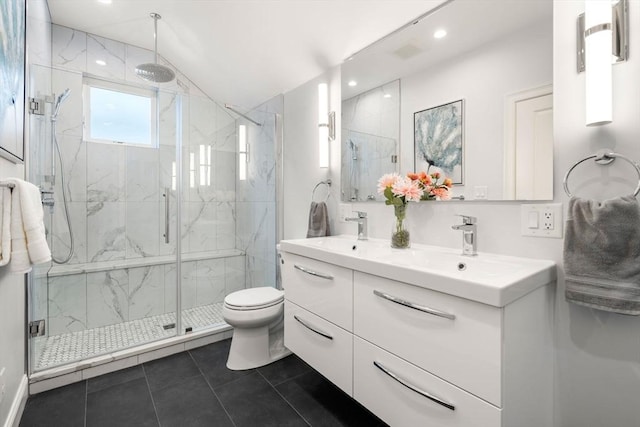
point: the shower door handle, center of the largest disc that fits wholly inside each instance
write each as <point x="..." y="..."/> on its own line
<point x="166" y="214"/>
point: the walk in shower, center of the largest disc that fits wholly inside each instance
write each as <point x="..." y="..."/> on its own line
<point x="163" y="221"/>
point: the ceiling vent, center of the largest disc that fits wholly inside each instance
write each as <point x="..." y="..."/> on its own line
<point x="407" y="51"/>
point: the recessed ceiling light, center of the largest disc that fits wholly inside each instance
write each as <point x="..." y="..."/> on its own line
<point x="387" y="95"/>
<point x="100" y="62"/>
<point x="352" y="83"/>
<point x="104" y="1"/>
<point x="440" y="34"/>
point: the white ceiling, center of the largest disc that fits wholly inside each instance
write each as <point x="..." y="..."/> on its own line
<point x="244" y="52"/>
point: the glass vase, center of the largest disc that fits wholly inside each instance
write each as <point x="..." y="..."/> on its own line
<point x="400" y="234"/>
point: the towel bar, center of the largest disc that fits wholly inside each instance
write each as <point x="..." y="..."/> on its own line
<point x="7" y="184"/>
<point x="602" y="157"/>
<point x="327" y="183"/>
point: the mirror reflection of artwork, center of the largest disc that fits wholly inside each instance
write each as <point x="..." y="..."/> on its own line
<point x="438" y="140"/>
<point x="12" y="48"/>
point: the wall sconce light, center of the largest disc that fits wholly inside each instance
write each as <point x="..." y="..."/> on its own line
<point x="243" y="152"/>
<point x="602" y="40"/>
<point x="326" y="125"/>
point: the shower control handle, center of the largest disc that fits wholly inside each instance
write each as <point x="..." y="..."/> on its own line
<point x="166" y="214"/>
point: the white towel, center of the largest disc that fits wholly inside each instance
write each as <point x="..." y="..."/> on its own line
<point x="5" y="226"/>
<point x="28" y="240"/>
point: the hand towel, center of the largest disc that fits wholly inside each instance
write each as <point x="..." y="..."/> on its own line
<point x="602" y="254"/>
<point x="318" y="220"/>
<point x="5" y="226"/>
<point x="28" y="240"/>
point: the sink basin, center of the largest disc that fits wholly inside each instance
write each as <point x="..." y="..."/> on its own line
<point x="488" y="278"/>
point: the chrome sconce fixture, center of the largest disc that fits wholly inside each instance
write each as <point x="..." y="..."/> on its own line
<point x="602" y="38"/>
<point x="326" y="125"/>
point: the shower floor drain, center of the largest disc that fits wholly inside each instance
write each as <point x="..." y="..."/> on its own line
<point x="66" y="348"/>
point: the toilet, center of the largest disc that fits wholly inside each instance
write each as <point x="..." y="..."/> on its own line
<point x="256" y="315"/>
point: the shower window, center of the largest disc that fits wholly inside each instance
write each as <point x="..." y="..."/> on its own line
<point x="119" y="113"/>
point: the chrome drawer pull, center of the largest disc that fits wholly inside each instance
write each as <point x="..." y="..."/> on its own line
<point x="414" y="388"/>
<point x="311" y="328"/>
<point x="415" y="306"/>
<point x="311" y="272"/>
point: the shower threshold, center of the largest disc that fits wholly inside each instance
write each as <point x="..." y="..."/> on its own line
<point x="77" y="346"/>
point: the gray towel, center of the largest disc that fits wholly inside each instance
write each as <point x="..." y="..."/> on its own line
<point x="602" y="254"/>
<point x="318" y="220"/>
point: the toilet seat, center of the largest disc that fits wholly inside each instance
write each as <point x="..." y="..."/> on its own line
<point x="254" y="298"/>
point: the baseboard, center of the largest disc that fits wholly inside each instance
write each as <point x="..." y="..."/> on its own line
<point x="19" y="401"/>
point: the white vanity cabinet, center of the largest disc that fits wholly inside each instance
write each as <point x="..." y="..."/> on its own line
<point x="318" y="316"/>
<point x="416" y="355"/>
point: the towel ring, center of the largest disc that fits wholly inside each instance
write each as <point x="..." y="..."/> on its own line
<point x="328" y="184"/>
<point x="602" y="157"/>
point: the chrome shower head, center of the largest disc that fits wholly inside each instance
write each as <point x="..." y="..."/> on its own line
<point x="152" y="71"/>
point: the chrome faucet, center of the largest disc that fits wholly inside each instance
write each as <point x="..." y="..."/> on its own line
<point x="468" y="227"/>
<point x="362" y="224"/>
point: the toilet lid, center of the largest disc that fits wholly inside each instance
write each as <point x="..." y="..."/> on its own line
<point x="254" y="298"/>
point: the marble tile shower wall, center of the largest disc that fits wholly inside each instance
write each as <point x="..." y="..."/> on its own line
<point x="256" y="198"/>
<point x="116" y="203"/>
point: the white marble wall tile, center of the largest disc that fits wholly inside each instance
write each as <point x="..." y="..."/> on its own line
<point x="234" y="268"/>
<point x="39" y="292"/>
<point x="106" y="172"/>
<point x="210" y="281"/>
<point x="188" y="284"/>
<point x="70" y="113"/>
<point x="68" y="48"/>
<point x="67" y="304"/>
<point x="226" y="138"/>
<point x="202" y="121"/>
<point x="225" y="225"/>
<point x="111" y="52"/>
<point x="135" y="56"/>
<point x="146" y="291"/>
<point x="167" y="119"/>
<point x="201" y="227"/>
<point x="60" y="236"/>
<point x="142" y="171"/>
<point x="170" y="287"/>
<point x="143" y="229"/>
<point x="107" y="298"/>
<point x="225" y="175"/>
<point x="106" y="239"/>
<point x="38" y="32"/>
<point x="244" y="225"/>
<point x="74" y="158"/>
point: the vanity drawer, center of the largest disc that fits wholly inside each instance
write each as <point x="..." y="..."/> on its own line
<point x="459" y="340"/>
<point x="323" y="345"/>
<point x="406" y="405"/>
<point x="321" y="288"/>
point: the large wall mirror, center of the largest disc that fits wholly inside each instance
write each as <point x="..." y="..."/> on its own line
<point x="496" y="58"/>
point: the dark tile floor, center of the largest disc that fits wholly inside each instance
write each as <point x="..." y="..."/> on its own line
<point x="195" y="388"/>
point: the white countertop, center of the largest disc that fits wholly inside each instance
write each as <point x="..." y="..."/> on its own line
<point x="491" y="279"/>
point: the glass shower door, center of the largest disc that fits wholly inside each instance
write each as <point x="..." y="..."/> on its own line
<point x="118" y="287"/>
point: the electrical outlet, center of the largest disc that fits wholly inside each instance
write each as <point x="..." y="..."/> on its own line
<point x="541" y="220"/>
<point x="548" y="218"/>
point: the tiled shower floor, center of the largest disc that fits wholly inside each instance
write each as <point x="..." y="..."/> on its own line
<point x="65" y="348"/>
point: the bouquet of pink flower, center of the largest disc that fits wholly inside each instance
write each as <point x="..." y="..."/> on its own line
<point x="399" y="191"/>
<point x="434" y="186"/>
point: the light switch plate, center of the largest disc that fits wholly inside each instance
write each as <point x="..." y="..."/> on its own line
<point x="541" y="220"/>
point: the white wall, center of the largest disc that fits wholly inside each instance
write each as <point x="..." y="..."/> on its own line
<point x="300" y="153"/>
<point x="12" y="286"/>
<point x="597" y="353"/>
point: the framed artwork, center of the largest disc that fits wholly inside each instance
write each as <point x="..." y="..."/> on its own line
<point x="438" y="140"/>
<point x="12" y="75"/>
